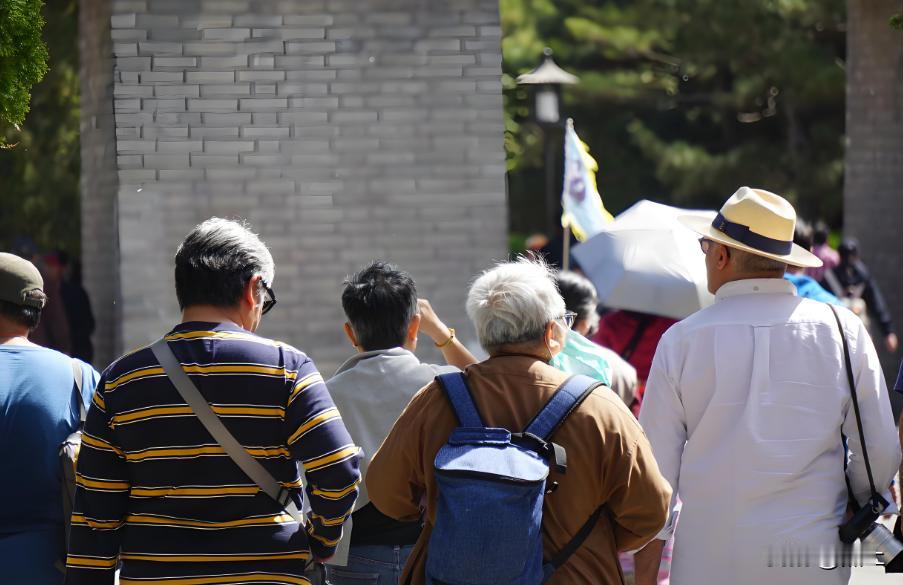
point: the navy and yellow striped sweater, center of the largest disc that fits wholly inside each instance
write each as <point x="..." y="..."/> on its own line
<point x="158" y="493"/>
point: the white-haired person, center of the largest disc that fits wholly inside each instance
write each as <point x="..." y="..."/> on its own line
<point x="521" y="322"/>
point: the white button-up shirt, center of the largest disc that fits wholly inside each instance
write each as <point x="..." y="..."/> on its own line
<point x="744" y="407"/>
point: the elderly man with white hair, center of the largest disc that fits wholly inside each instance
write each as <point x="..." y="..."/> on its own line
<point x="521" y="322"/>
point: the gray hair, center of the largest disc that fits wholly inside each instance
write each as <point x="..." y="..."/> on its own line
<point x="513" y="302"/>
<point x="753" y="263"/>
<point x="216" y="260"/>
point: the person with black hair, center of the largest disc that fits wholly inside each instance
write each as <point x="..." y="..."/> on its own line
<point x="53" y="329"/>
<point x="78" y="308"/>
<point x="160" y="493"/>
<point x="822" y="250"/>
<point x="370" y="390"/>
<point x="852" y="282"/>
<point x="806" y="286"/>
<point x="40" y="392"/>
<point x="582" y="356"/>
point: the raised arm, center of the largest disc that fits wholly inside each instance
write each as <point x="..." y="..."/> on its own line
<point x="396" y="479"/>
<point x="452" y="349"/>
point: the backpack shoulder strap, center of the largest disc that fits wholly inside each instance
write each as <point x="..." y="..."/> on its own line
<point x="571" y="547"/>
<point x="455" y="386"/>
<point x="641" y="325"/>
<point x="567" y="397"/>
<point x="77" y="375"/>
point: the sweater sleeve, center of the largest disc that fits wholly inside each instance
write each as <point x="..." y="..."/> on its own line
<point x="396" y="479"/>
<point x="101" y="500"/>
<point x="317" y="437"/>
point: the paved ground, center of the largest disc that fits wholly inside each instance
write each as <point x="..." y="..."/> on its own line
<point x="873" y="576"/>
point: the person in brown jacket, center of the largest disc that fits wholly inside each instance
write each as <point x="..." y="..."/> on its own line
<point x="521" y="322"/>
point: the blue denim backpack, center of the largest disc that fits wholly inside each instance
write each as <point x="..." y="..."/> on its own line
<point x="492" y="483"/>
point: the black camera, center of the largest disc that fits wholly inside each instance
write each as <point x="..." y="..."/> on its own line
<point x="874" y="536"/>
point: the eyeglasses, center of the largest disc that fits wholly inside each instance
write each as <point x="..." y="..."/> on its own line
<point x="568" y="319"/>
<point x="705" y="245"/>
<point x="270" y="301"/>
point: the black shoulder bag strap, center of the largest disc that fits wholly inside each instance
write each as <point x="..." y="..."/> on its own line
<point x="848" y="364"/>
<point x="77" y="376"/>
<point x="641" y="325"/>
<point x="577" y="388"/>
<point x="198" y="404"/>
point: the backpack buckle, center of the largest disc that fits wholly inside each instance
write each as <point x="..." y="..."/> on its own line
<point x="552" y="452"/>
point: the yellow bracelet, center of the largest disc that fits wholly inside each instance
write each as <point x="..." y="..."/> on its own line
<point x="451" y="336"/>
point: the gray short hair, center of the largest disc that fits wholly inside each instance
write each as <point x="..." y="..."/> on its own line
<point x="216" y="260"/>
<point x="753" y="263"/>
<point x="513" y="302"/>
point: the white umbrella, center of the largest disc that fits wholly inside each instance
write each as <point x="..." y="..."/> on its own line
<point x="647" y="261"/>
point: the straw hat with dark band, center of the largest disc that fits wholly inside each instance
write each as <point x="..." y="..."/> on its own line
<point x="20" y="282"/>
<point x="758" y="222"/>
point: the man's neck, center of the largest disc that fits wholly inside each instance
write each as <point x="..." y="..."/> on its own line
<point x="211" y="314"/>
<point x="11" y="334"/>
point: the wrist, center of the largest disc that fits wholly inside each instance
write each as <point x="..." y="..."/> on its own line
<point x="437" y="333"/>
<point x="444" y="341"/>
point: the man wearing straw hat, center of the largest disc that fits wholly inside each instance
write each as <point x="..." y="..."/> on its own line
<point x="745" y="405"/>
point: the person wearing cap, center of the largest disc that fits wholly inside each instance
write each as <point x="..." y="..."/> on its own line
<point x="39" y="408"/>
<point x="53" y="330"/>
<point x="745" y="405"/>
<point x="852" y="281"/>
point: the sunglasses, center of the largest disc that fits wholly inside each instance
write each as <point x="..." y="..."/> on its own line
<point x="270" y="301"/>
<point x="705" y="245"/>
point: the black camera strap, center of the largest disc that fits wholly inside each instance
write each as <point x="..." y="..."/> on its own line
<point x="852" y="383"/>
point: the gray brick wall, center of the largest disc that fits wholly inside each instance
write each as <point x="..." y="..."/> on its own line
<point x="873" y="187"/>
<point x="99" y="223"/>
<point x="344" y="131"/>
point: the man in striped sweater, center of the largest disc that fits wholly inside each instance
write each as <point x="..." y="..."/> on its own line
<point x="157" y="495"/>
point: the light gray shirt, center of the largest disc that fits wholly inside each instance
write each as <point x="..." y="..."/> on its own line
<point x="370" y="390"/>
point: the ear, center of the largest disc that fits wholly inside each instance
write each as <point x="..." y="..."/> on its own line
<point x="349" y="333"/>
<point x="555" y="336"/>
<point x="413" y="328"/>
<point x="549" y="334"/>
<point x="250" y="294"/>
<point x="724" y="257"/>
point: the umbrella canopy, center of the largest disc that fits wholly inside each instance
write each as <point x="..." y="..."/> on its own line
<point x="647" y="261"/>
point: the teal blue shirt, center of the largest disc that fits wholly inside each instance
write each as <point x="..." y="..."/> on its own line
<point x="38" y="410"/>
<point x="808" y="288"/>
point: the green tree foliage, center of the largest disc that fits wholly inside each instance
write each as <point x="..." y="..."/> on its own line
<point x="23" y="56"/>
<point x="39" y="176"/>
<point x="682" y="101"/>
